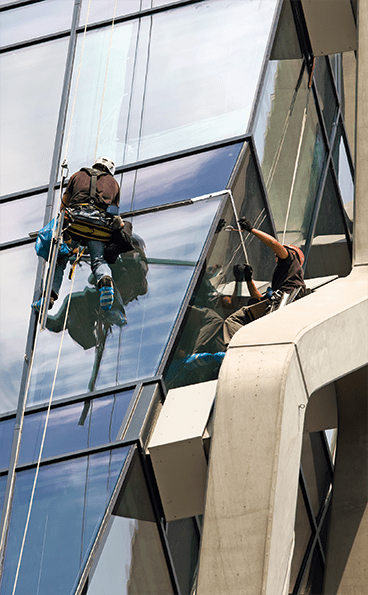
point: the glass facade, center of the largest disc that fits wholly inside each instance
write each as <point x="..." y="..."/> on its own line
<point x="211" y="111"/>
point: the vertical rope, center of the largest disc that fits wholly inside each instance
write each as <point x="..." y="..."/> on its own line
<point x="105" y="81"/>
<point x="42" y="443"/>
<point x="77" y="82"/>
<point x="304" y="120"/>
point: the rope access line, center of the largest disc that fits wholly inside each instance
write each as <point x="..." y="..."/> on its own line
<point x="106" y="71"/>
<point x="52" y="254"/>
<point x="42" y="441"/>
<point x="304" y="120"/>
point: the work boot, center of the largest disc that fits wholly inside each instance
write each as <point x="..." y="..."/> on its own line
<point x="36" y="306"/>
<point x="106" y="289"/>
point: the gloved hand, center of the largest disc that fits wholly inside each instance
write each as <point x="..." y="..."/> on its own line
<point x="238" y="272"/>
<point x="248" y="272"/>
<point x="245" y="224"/>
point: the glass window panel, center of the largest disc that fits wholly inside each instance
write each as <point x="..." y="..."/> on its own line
<point x="6" y="439"/>
<point x="179" y="179"/>
<point x="18" y="218"/>
<point x="214" y="298"/>
<point x="349" y="95"/>
<point x="316" y="469"/>
<point x="183" y="536"/>
<point x="146" y="113"/>
<point x="102" y="10"/>
<point x="174" y="240"/>
<point x="303" y="533"/>
<point x="3" y="480"/>
<point x="343" y="172"/>
<point x="68" y="506"/>
<point x="290" y="148"/>
<point x="17" y="284"/>
<point x="186" y="106"/>
<point x="131" y="558"/>
<point x="100" y="104"/>
<point x="35" y="20"/>
<point x="326" y="93"/>
<point x="31" y="83"/>
<point x="329" y="253"/>
<point x="74" y="427"/>
<point x="313" y="582"/>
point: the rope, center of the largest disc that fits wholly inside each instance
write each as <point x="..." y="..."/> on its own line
<point x="42" y="441"/>
<point x="238" y="226"/>
<point x="304" y="120"/>
<point x="67" y="308"/>
<point x="106" y="71"/>
<point x="276" y="158"/>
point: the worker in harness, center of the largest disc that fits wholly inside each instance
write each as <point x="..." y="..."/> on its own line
<point x="287" y="276"/>
<point x="89" y="196"/>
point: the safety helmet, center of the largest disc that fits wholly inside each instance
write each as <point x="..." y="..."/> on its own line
<point x="298" y="252"/>
<point x="106" y="162"/>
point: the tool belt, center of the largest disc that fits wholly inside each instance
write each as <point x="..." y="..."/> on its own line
<point x="88" y="221"/>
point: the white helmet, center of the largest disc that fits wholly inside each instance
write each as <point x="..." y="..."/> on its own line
<point x="106" y="162"/>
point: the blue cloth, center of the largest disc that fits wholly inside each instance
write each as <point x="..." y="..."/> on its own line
<point x="43" y="242"/>
<point x="202" y="359"/>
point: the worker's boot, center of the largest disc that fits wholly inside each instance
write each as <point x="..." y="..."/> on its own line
<point x="36" y="306"/>
<point x="106" y="289"/>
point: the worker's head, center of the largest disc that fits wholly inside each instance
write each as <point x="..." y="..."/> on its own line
<point x="105" y="163"/>
<point x="298" y="252"/>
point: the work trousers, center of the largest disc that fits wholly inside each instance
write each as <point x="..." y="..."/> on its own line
<point x="99" y="266"/>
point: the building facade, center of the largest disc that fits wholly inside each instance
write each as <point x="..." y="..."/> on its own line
<point x="212" y="110"/>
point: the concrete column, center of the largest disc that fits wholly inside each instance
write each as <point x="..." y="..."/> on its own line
<point x="271" y="368"/>
<point x="251" y="497"/>
<point x="347" y="560"/>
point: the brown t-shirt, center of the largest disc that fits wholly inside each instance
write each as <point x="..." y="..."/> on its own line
<point x="288" y="275"/>
<point x="107" y="189"/>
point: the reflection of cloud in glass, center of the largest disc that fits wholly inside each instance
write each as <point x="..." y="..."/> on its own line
<point x="27" y="125"/>
<point x="181" y="179"/>
<point x="15" y="301"/>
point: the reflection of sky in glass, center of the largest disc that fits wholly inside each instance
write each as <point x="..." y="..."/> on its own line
<point x="201" y="48"/>
<point x="344" y="175"/>
<point x="101" y="10"/>
<point x="3" y="480"/>
<point x="6" y="437"/>
<point x="69" y="502"/>
<point x="65" y="432"/>
<point x="12" y="226"/>
<point x="17" y="271"/>
<point x="198" y="49"/>
<point x="178" y="180"/>
<point x="31" y="82"/>
<point x="41" y="18"/>
<point x="265" y="108"/>
<point x="135" y="350"/>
